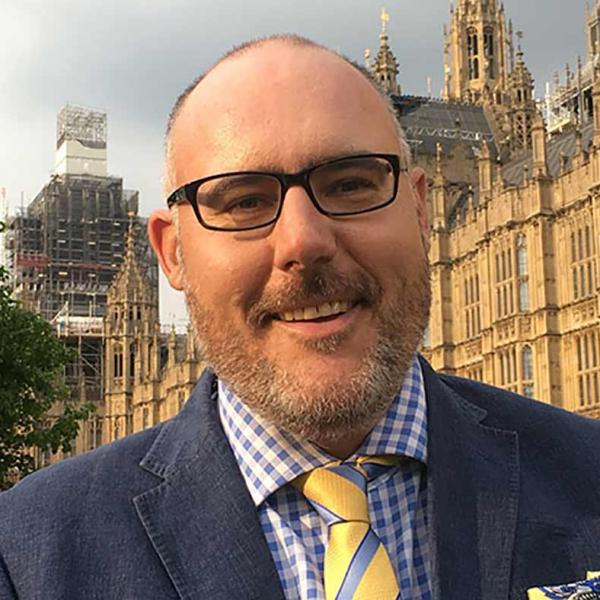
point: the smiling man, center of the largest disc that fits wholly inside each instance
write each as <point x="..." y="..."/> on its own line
<point x="298" y="284"/>
<point x="320" y="457"/>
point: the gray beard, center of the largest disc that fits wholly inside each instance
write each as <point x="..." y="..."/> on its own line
<point x="303" y="407"/>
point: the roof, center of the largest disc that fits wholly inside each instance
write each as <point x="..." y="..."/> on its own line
<point x="564" y="144"/>
<point x="428" y="121"/>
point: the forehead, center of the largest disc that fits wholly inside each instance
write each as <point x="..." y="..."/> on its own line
<point x="278" y="106"/>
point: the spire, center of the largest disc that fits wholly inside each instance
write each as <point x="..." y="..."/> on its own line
<point x="511" y="46"/>
<point x="521" y="107"/>
<point x="130" y="284"/>
<point x="540" y="154"/>
<point x="385" y="65"/>
<point x="439" y="195"/>
<point x="519" y="48"/>
<point x="485" y="165"/>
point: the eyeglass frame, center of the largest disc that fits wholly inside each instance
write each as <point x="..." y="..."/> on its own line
<point x="188" y="191"/>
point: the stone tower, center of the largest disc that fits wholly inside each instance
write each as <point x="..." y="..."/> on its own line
<point x="476" y="69"/>
<point x="593" y="30"/>
<point x="130" y="332"/>
<point x="385" y="65"/>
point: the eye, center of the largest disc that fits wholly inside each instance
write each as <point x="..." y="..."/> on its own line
<point x="350" y="185"/>
<point x="248" y="203"/>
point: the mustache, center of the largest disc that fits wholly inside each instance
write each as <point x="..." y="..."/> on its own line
<point x="311" y="287"/>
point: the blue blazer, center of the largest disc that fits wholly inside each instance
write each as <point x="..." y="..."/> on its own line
<point x="513" y="489"/>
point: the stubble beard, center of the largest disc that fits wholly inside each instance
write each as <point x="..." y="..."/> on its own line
<point x="318" y="411"/>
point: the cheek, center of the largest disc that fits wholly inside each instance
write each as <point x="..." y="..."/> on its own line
<point x="386" y="248"/>
<point x="227" y="275"/>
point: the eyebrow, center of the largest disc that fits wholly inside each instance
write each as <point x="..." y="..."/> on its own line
<point x="314" y="160"/>
<point x="230" y="182"/>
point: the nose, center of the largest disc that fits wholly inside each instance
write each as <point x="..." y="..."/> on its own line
<point x="302" y="237"/>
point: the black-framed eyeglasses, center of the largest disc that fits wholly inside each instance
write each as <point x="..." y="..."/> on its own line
<point x="244" y="200"/>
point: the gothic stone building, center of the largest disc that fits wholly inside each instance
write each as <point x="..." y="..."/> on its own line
<point x="515" y="216"/>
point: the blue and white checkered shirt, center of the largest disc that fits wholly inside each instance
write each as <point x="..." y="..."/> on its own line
<point x="270" y="459"/>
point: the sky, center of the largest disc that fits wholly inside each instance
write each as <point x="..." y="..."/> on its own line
<point x="131" y="58"/>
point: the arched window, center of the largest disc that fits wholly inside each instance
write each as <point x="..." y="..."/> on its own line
<point x="527" y="371"/>
<point x="132" y="353"/>
<point x="527" y="362"/>
<point x="118" y="361"/>
<point x="522" y="255"/>
<point x="488" y="48"/>
<point x="588" y="368"/>
<point x="523" y="272"/>
<point x="473" y="53"/>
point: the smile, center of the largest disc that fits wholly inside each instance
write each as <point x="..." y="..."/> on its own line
<point x="326" y="309"/>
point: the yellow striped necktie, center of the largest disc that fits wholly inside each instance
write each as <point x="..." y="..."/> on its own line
<point x="357" y="565"/>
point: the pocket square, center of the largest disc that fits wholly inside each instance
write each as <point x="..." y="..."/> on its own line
<point x="589" y="589"/>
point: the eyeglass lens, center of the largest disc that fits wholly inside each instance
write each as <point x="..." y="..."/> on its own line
<point x="344" y="187"/>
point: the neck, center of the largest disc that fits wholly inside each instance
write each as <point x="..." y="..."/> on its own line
<point x="345" y="446"/>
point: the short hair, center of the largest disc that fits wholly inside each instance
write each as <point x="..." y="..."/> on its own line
<point x="294" y="40"/>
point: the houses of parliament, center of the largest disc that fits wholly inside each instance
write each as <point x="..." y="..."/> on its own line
<point x="514" y="206"/>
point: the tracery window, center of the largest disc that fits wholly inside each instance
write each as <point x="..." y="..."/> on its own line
<point x="583" y="267"/>
<point x="472" y="313"/>
<point x="488" y="48"/>
<point x="473" y="53"/>
<point x="507" y="363"/>
<point x="588" y="367"/>
<point x="118" y="361"/>
<point x="527" y="371"/>
<point x="132" y="353"/>
<point x="504" y="283"/>
<point x="522" y="273"/>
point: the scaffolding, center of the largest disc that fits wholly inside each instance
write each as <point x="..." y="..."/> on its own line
<point x="569" y="102"/>
<point x="70" y="242"/>
<point x="83" y="124"/>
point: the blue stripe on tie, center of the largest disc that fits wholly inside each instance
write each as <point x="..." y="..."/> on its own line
<point x="351" y="474"/>
<point x="327" y="515"/>
<point x="360" y="561"/>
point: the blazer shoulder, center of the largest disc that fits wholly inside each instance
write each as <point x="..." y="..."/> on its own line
<point x="564" y="439"/>
<point x="512" y="408"/>
<point x="61" y="488"/>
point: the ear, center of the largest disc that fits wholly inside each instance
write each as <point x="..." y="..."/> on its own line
<point x="419" y="180"/>
<point x="162" y="232"/>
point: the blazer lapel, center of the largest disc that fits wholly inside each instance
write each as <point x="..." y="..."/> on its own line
<point x="201" y="519"/>
<point x="473" y="487"/>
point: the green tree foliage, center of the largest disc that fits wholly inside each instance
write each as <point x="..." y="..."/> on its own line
<point x="32" y="363"/>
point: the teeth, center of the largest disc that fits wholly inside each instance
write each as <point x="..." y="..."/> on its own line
<point x="312" y="312"/>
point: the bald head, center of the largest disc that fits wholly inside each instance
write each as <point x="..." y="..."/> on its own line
<point x="279" y="63"/>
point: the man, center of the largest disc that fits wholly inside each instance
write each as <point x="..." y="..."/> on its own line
<point x="323" y="458"/>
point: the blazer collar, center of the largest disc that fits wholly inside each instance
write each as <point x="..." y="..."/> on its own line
<point x="200" y="518"/>
<point x="473" y="485"/>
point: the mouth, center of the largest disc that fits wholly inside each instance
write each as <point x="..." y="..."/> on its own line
<point x="320" y="320"/>
<point x="322" y="312"/>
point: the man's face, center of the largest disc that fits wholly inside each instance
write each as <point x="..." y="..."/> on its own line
<point x="284" y="108"/>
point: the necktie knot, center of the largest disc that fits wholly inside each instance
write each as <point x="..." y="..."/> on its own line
<point x="338" y="490"/>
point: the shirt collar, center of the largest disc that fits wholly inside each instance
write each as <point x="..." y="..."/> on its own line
<point x="270" y="457"/>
